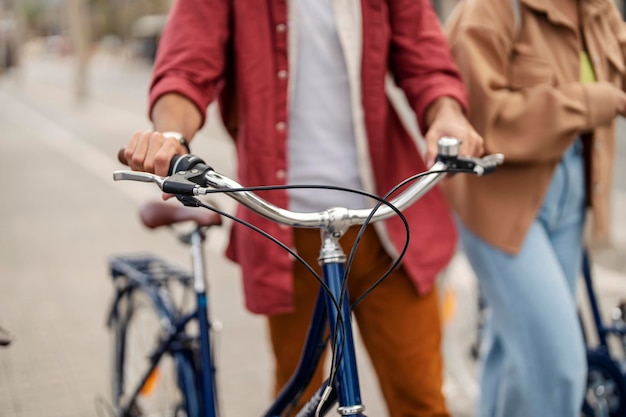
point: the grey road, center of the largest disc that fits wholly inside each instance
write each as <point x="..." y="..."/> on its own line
<point x="62" y="216"/>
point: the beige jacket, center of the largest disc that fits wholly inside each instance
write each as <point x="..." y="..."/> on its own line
<point x="527" y="102"/>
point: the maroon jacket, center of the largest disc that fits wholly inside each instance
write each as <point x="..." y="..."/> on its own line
<point x="208" y="44"/>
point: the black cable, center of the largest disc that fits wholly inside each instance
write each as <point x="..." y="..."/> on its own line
<point x="396" y="263"/>
<point x="340" y="325"/>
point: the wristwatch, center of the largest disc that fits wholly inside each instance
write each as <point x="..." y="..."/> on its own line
<point x="179" y="137"/>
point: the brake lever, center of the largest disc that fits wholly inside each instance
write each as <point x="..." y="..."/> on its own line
<point x="138" y="176"/>
<point x="180" y="183"/>
<point x="479" y="166"/>
<point x="485" y="165"/>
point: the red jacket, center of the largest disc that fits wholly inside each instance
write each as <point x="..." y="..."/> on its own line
<point x="209" y="43"/>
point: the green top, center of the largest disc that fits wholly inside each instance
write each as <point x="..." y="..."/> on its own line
<point x="587" y="74"/>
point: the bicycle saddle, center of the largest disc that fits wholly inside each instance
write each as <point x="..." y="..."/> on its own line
<point x="157" y="213"/>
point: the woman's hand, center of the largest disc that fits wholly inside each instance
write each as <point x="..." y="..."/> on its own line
<point x="620" y="101"/>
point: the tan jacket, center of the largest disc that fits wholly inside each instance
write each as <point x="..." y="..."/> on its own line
<point x="528" y="103"/>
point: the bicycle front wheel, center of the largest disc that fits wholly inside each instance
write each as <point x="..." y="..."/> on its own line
<point x="606" y="387"/>
<point x="168" y="390"/>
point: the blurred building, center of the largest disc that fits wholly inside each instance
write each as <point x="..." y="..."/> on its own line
<point x="9" y="35"/>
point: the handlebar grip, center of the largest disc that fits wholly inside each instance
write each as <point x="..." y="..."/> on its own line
<point x="187" y="163"/>
<point x="173" y="162"/>
<point x="186" y="173"/>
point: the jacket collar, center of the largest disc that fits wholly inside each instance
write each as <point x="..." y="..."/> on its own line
<point x="589" y="8"/>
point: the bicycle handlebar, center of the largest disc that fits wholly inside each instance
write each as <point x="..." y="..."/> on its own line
<point x="190" y="176"/>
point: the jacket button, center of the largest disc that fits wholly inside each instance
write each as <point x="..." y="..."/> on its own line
<point x="280" y="126"/>
<point x="282" y="74"/>
<point x="280" y="174"/>
<point x="281" y="28"/>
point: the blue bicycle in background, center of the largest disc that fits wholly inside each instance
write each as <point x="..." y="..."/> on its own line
<point x="606" y="376"/>
<point x="163" y="354"/>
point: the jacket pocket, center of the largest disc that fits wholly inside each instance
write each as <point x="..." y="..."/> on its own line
<point x="528" y="71"/>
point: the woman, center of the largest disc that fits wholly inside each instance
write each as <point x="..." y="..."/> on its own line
<point x="545" y="79"/>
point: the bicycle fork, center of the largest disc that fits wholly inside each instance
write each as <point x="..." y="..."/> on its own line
<point x="209" y="404"/>
<point x="332" y="260"/>
<point x="345" y="384"/>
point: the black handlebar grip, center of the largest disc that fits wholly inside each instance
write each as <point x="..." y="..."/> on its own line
<point x="186" y="173"/>
<point x="187" y="163"/>
<point x="173" y="163"/>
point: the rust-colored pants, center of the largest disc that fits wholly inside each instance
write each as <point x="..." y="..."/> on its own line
<point x="401" y="330"/>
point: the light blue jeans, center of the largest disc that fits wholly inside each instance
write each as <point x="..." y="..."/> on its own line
<point x="533" y="362"/>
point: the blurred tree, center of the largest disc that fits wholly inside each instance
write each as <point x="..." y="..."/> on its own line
<point x="116" y="17"/>
<point x="107" y="17"/>
<point x="78" y="18"/>
<point x="32" y="11"/>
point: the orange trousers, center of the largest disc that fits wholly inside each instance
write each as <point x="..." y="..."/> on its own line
<point x="401" y="330"/>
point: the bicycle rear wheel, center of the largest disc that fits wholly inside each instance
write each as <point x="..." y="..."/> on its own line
<point x="169" y="390"/>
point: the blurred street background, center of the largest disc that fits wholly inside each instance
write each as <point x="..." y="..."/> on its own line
<point x="73" y="88"/>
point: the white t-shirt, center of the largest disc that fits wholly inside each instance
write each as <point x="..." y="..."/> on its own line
<point x="321" y="142"/>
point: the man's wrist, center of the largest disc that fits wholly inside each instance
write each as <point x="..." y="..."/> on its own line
<point x="179" y="137"/>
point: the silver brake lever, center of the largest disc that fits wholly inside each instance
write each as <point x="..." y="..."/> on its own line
<point x="487" y="163"/>
<point x="495" y="158"/>
<point x="138" y="176"/>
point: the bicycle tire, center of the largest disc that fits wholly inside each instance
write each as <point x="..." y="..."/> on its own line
<point x="171" y="389"/>
<point x="606" y="379"/>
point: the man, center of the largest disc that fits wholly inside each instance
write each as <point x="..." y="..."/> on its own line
<point x="311" y="108"/>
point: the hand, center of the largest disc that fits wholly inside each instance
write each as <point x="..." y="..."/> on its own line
<point x="620" y="101"/>
<point x="446" y="118"/>
<point x="150" y="151"/>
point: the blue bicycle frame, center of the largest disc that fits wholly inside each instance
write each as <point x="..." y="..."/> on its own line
<point x="602" y="330"/>
<point x="346" y="387"/>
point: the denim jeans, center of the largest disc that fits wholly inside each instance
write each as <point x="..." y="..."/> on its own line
<point x="533" y="361"/>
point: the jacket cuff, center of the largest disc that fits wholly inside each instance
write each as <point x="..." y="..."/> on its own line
<point x="600" y="103"/>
